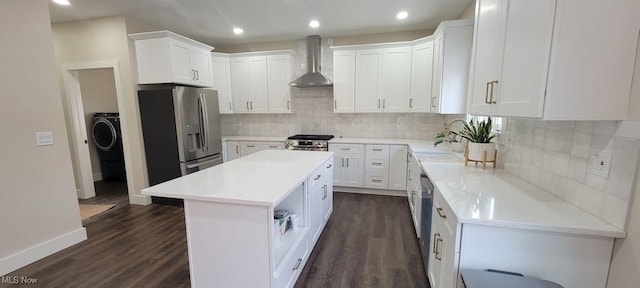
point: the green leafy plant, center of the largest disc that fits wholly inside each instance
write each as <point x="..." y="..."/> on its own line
<point x="477" y="131"/>
<point x="447" y="136"/>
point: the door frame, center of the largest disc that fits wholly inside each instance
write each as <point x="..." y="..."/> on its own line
<point x="79" y="139"/>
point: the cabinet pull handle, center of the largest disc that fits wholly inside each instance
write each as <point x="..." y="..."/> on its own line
<point x="376" y="180"/>
<point x="335" y="104"/>
<point x="345" y="149"/>
<point x="433" y="102"/>
<point x="329" y="166"/>
<point x="347" y="162"/>
<point x="491" y="101"/>
<point x="438" y="256"/>
<point x="247" y="105"/>
<point x="324" y="192"/>
<point x="251" y="104"/>
<point x="384" y="103"/>
<point x="297" y="264"/>
<point x="317" y="177"/>
<point x="342" y="161"/>
<point x="251" y="146"/>
<point x="377" y="149"/>
<point x="435" y="242"/>
<point x="273" y="146"/>
<point x="288" y="107"/>
<point x="197" y="76"/>
<point x="376" y="163"/>
<point x="193" y="74"/>
<point x="230" y="107"/>
<point x="441" y="213"/>
<point x="379" y="103"/>
<point x="238" y="149"/>
<point x="410" y="102"/>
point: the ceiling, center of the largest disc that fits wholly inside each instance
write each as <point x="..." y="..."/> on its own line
<point x="212" y="21"/>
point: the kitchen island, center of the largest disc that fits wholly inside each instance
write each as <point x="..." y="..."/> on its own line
<point x="229" y="214"/>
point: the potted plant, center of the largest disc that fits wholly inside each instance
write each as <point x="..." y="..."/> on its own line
<point x="479" y="134"/>
<point x="451" y="137"/>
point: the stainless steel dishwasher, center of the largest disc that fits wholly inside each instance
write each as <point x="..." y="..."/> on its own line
<point x="425" y="219"/>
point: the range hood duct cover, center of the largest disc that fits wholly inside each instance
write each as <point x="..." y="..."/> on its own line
<point x="312" y="78"/>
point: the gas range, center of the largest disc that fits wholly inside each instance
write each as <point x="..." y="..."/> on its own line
<point x="309" y="142"/>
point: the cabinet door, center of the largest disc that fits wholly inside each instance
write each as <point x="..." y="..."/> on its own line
<point x="181" y="70"/>
<point x="368" y="94"/>
<point x="398" y="167"/>
<point x="354" y="175"/>
<point x="339" y="170"/>
<point x="525" y="59"/>
<point x="344" y="72"/>
<point x="436" y="265"/>
<point x="421" y="77"/>
<point x="233" y="150"/>
<point x="489" y="28"/>
<point x="201" y="64"/>
<point x="396" y="79"/>
<point x="436" y="86"/>
<point x="278" y="78"/>
<point x="221" y="81"/>
<point x="258" y="84"/>
<point x="327" y="202"/>
<point x="240" y="84"/>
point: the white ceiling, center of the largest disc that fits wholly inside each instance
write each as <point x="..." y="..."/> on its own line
<point x="211" y="21"/>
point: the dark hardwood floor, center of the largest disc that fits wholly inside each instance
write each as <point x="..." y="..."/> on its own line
<point x="368" y="242"/>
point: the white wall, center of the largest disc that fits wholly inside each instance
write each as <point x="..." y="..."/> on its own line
<point x="469" y="12"/>
<point x="105" y="39"/>
<point x="39" y="205"/>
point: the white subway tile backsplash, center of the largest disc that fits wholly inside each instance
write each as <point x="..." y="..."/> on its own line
<point x="554" y="155"/>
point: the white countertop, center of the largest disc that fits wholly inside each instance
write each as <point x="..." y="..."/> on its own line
<point x="416" y="145"/>
<point x="255" y="138"/>
<point x="263" y="178"/>
<point x="496" y="198"/>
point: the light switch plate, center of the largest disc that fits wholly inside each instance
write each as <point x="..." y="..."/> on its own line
<point x="600" y="163"/>
<point x="44" y="138"/>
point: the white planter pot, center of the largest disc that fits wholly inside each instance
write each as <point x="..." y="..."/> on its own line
<point x="476" y="151"/>
<point x="457" y="147"/>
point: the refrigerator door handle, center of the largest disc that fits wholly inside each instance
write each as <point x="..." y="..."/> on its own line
<point x="196" y="165"/>
<point x="205" y="119"/>
<point x="201" y="120"/>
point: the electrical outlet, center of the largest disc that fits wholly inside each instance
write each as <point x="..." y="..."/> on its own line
<point x="600" y="163"/>
<point x="44" y="138"/>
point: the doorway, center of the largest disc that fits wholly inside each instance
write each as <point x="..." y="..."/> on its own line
<point x="94" y="100"/>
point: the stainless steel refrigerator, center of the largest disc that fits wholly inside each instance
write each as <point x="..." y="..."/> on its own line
<point x="181" y="130"/>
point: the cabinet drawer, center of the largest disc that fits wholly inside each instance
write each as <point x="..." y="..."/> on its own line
<point x="328" y="168"/>
<point x="378" y="149"/>
<point x="376" y="180"/>
<point x="274" y="145"/>
<point x="347" y="148"/>
<point x="290" y="270"/>
<point x="316" y="178"/>
<point x="377" y="163"/>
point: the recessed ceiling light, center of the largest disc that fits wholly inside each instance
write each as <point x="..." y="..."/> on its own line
<point x="402" y="15"/>
<point x="314" y="24"/>
<point x="62" y="2"/>
<point x="238" y="31"/>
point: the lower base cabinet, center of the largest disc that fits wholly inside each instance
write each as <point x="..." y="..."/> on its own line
<point x="236" y="149"/>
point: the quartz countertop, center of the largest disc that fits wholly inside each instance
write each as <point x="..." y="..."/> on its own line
<point x="416" y="145"/>
<point x="255" y="138"/>
<point x="263" y="178"/>
<point x="496" y="198"/>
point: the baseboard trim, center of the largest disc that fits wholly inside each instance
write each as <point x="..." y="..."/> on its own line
<point x="370" y="191"/>
<point x="39" y="251"/>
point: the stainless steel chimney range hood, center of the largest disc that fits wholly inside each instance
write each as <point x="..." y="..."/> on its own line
<point x="312" y="78"/>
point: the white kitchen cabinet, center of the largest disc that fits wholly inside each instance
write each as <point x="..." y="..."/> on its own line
<point x="368" y="97"/>
<point x="344" y="73"/>
<point x="321" y="200"/>
<point x="348" y="165"/>
<point x="451" y="52"/>
<point x="249" y="84"/>
<point x="398" y="167"/>
<point x="221" y="81"/>
<point x="231" y="150"/>
<point x="414" y="191"/>
<point x="250" y="147"/>
<point x="327" y="199"/>
<point x="383" y="80"/>
<point x="539" y="59"/>
<point x="166" y="57"/>
<point x="443" y="258"/>
<point x="377" y="166"/>
<point x="279" y="69"/>
<point x="421" y="75"/>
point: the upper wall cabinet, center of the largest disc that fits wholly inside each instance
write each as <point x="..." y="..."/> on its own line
<point x="550" y="59"/>
<point x="421" y="75"/>
<point x="451" y="56"/>
<point x="166" y="57"/>
<point x="372" y="78"/>
<point x="221" y="81"/>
